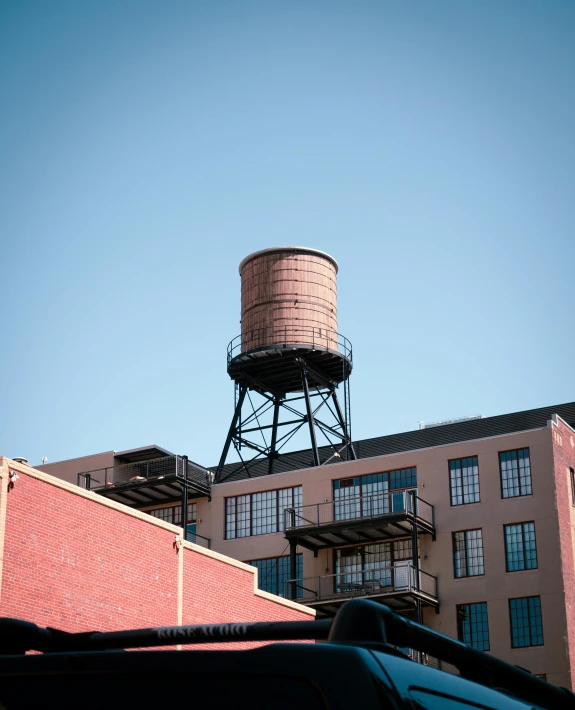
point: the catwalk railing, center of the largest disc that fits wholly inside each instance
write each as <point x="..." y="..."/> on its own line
<point x="385" y="580"/>
<point x="289" y="336"/>
<point x="198" y="539"/>
<point x="151" y="470"/>
<point x="368" y="507"/>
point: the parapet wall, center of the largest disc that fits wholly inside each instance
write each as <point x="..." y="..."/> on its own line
<point x="73" y="560"/>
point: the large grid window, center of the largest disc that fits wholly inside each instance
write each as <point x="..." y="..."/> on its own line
<point x="526" y="622"/>
<point x="403" y="478"/>
<point x="372" y="494"/>
<point x="364" y="556"/>
<point x="274" y="572"/>
<point x="520" y="547"/>
<point x="259" y="513"/>
<point x="473" y="626"/>
<point x="468" y="553"/>
<point x="173" y="514"/>
<point x="402" y="550"/>
<point x="464" y="480"/>
<point x="381" y="561"/>
<point x="515" y="470"/>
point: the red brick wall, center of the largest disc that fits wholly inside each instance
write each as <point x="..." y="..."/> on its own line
<point x="217" y="594"/>
<point x="564" y="459"/>
<point x="73" y="562"/>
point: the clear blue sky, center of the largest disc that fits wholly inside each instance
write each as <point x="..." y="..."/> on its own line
<point x="147" y="146"/>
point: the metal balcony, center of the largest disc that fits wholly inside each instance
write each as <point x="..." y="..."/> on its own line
<point x="364" y="519"/>
<point x="147" y="482"/>
<point x="399" y="586"/>
<point x="196" y="539"/>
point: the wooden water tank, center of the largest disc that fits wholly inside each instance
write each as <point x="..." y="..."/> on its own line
<point x="289" y="297"/>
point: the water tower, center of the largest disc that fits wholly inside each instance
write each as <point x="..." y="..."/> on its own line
<point x="290" y="366"/>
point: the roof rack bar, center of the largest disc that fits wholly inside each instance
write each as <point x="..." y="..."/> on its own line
<point x="20" y="636"/>
<point x="362" y="621"/>
<point x="358" y="622"/>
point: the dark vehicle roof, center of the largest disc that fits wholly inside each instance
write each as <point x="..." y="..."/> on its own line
<point x="360" y="665"/>
<point x="277" y="676"/>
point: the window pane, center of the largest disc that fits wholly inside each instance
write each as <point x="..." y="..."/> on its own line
<point x="464" y="478"/>
<point x="369" y="495"/>
<point x="266" y="575"/>
<point x="403" y="478"/>
<point x="348" y="566"/>
<point x="287" y="498"/>
<point x="468" y="553"/>
<point x="535" y="621"/>
<point x="470" y="473"/>
<point x="283" y="574"/>
<point x="402" y="550"/>
<point x="347" y="501"/>
<point x="514" y="548"/>
<point x="259" y="513"/>
<point x="243" y="516"/>
<point x="472" y="624"/>
<point x="377" y="559"/>
<point x="456" y="483"/>
<point x="520" y="635"/>
<point x="264" y="512"/>
<point x="530" y="545"/>
<point x="230" y="518"/>
<point x="474" y="552"/>
<point x="515" y="473"/>
<point x="509" y="474"/>
<point x="459" y="556"/>
<point x="526" y="622"/>
<point x="374" y="491"/>
<point x="520" y="547"/>
<point x="524" y="472"/>
<point x="162" y="514"/>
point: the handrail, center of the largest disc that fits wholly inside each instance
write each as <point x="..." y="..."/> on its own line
<point x="284" y="336"/>
<point x="197" y="539"/>
<point x="363" y="506"/>
<point x="397" y="577"/>
<point x="123" y="474"/>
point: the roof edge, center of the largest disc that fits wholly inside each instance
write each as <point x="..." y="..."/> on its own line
<point x="271" y="250"/>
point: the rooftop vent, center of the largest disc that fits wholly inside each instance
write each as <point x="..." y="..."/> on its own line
<point x="444" y="422"/>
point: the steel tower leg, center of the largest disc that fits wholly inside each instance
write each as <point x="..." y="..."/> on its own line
<point x="272" y="454"/>
<point x="231" y="432"/>
<point x="343" y="425"/>
<point x="310" y="418"/>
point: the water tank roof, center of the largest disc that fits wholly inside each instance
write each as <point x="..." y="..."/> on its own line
<point x="271" y="250"/>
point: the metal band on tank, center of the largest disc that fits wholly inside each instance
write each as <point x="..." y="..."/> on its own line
<point x="305" y="250"/>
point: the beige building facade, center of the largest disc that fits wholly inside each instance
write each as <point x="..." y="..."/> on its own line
<point x="470" y="528"/>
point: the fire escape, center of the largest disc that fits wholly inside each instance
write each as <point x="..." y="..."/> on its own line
<point x="365" y="522"/>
